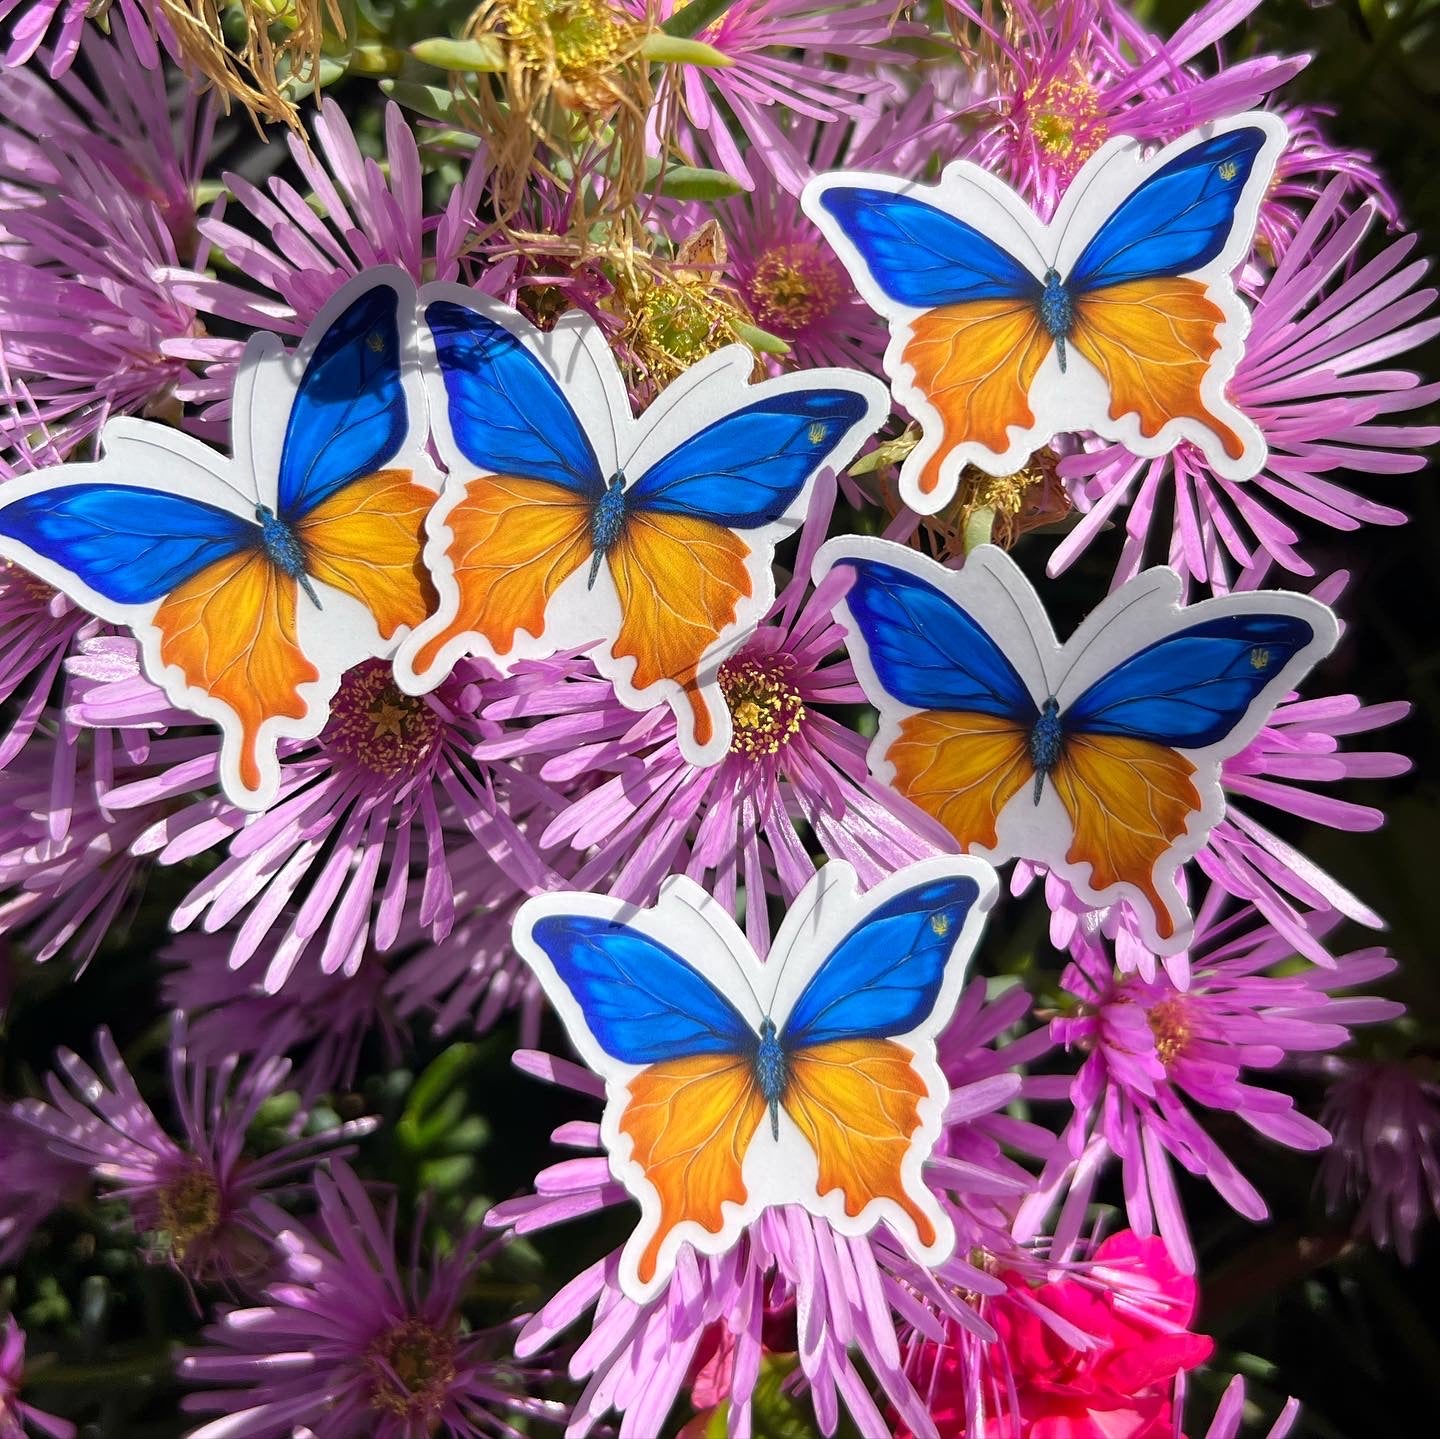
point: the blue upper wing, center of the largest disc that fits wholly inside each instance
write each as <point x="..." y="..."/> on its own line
<point x="744" y="470"/>
<point x="130" y="545"/>
<point x="921" y="256"/>
<point x="643" y="1003"/>
<point x="349" y="417"/>
<point x="507" y="414"/>
<point x="884" y="977"/>
<point x="1192" y="688"/>
<point x="927" y="651"/>
<point x="1175" y="221"/>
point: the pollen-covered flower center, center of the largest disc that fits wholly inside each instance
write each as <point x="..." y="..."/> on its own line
<point x="792" y="287"/>
<point x="189" y="1208"/>
<point x="766" y="710"/>
<point x="1170" y="1024"/>
<point x="1064" y="118"/>
<point x="579" y="37"/>
<point x="412" y="1368"/>
<point x="376" y="725"/>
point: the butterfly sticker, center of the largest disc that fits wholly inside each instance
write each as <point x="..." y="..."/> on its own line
<point x="1120" y="316"/>
<point x="252" y="583"/>
<point x="733" y="1085"/>
<point x="567" y="523"/>
<point x="1099" y="758"/>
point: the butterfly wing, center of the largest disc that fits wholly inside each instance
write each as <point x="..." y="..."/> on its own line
<point x="966" y="752"/>
<point x="1129" y="794"/>
<point x="693" y="1109"/>
<point x="680" y="562"/>
<point x="1140" y="317"/>
<point x="225" y="617"/>
<point x="359" y="524"/>
<point x="853" y="1091"/>
<point x="522" y="527"/>
<point x="979" y="340"/>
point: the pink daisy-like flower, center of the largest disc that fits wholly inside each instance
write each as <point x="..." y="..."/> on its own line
<point x="733" y="823"/>
<point x="389" y="790"/>
<point x="1384" y="1159"/>
<point x="1076" y="72"/>
<point x="31" y="20"/>
<point x="17" y="1418"/>
<point x="846" y="1292"/>
<point x="1152" y="1051"/>
<point x="356" y="1336"/>
<point x="197" y="1195"/>
<point x="372" y="215"/>
<point x="761" y="39"/>
<point x="1322" y="324"/>
<point x="37" y="1182"/>
<point x="1230" y="1413"/>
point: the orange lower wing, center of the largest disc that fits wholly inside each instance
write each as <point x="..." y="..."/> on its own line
<point x="366" y="540"/>
<point x="857" y="1102"/>
<point x="1153" y="340"/>
<point x="515" y="541"/>
<point x="962" y="768"/>
<point x="691" y="1121"/>
<point x="1129" y="801"/>
<point x="975" y="363"/>
<point x="231" y="630"/>
<point x="679" y="580"/>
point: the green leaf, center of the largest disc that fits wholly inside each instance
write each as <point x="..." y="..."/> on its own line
<point x="436" y="1102"/>
<point x="433" y="101"/>
<point x="470" y="56"/>
<point x="676" y="50"/>
<point x="979" y="527"/>
<point x="691" y="182"/>
<point x="761" y="340"/>
<point x="691" y="19"/>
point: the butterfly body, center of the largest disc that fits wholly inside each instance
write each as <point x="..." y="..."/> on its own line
<point x="284" y="549"/>
<point x="825" y="1093"/>
<point x="1119" y="316"/>
<point x="1099" y="758"/>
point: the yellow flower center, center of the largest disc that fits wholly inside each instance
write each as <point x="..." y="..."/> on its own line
<point x="1170" y="1025"/>
<point x="792" y="287"/>
<point x="411" y="1368"/>
<point x="1065" y="120"/>
<point x="766" y="710"/>
<point x="673" y="321"/>
<point x="581" y="38"/>
<point x="375" y="724"/>
<point x="189" y="1208"/>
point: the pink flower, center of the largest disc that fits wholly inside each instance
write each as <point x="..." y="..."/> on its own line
<point x="1153" y="1052"/>
<point x="1321" y="325"/>
<point x="145" y="22"/>
<point x="1084" y="1357"/>
<point x="1231" y="1412"/>
<point x="16" y="1417"/>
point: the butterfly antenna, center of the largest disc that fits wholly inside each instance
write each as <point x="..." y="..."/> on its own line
<point x="248" y="500"/>
<point x="661" y="408"/>
<point x="1025" y="626"/>
<point x="609" y="414"/>
<point x="1080" y="196"/>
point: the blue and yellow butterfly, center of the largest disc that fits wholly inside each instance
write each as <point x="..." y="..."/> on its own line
<point x="827" y="1095"/>
<point x="253" y="583"/>
<point x="989" y="309"/>
<point x="567" y="523"/>
<point x="1101" y="758"/>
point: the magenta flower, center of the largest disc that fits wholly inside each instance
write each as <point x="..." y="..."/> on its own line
<point x="1152" y="1051"/>
<point x="1384" y="1160"/>
<point x="37" y="1182"/>
<point x="1074" y="73"/>
<point x="355" y="1336"/>
<point x="1322" y="323"/>
<point x="372" y="216"/>
<point x="733" y="823"/>
<point x="387" y="794"/>
<point x="17" y="1419"/>
<point x="760" y="38"/>
<point x="195" y="1196"/>
<point x="31" y="20"/>
<point x="1230" y="1413"/>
